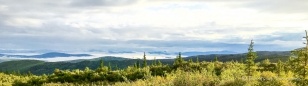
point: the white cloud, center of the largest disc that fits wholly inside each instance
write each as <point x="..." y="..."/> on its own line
<point x="71" y="24"/>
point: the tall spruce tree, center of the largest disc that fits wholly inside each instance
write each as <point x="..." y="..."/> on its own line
<point x="305" y="59"/>
<point x="280" y="68"/>
<point x="242" y="60"/>
<point x="197" y="60"/>
<point x="135" y="65"/>
<point x="250" y="58"/>
<point x="109" y="67"/>
<point x="178" y="60"/>
<point x="101" y="67"/>
<point x="101" y="63"/>
<point x="154" y="61"/>
<point x="216" y="58"/>
<point x="181" y="60"/>
<point x="144" y="61"/>
<point x="289" y="65"/>
<point x="159" y="63"/>
<point x="301" y="63"/>
<point x="29" y="73"/>
<point x="116" y="68"/>
<point x="138" y="63"/>
<point x="190" y="61"/>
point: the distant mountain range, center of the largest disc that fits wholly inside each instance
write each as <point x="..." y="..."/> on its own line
<point x="58" y="54"/>
<point x="193" y="53"/>
<point x="105" y="58"/>
<point x="207" y="53"/>
<point x="46" y="55"/>
<point x="273" y="56"/>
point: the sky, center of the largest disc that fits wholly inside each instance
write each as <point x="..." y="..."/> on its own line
<point x="152" y="25"/>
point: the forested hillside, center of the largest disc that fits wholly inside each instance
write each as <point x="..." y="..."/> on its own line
<point x="180" y="73"/>
<point x="40" y="67"/>
<point x="252" y="68"/>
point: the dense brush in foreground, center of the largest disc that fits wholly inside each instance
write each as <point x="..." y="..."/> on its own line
<point x="185" y="73"/>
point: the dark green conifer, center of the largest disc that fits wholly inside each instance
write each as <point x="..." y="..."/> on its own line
<point x="144" y="61"/>
<point x="138" y="63"/>
<point x="280" y="68"/>
<point x="190" y="60"/>
<point x="117" y="68"/>
<point x="101" y="63"/>
<point x="216" y="58"/>
<point x="197" y="60"/>
<point x="109" y="67"/>
<point x="159" y="63"/>
<point x="154" y="61"/>
<point x="181" y="61"/>
<point x="29" y="73"/>
<point x="135" y="65"/>
<point x="250" y="58"/>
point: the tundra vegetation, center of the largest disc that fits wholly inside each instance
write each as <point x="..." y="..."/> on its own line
<point x="293" y="72"/>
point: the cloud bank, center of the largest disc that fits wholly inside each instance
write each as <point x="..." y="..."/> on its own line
<point x="142" y="25"/>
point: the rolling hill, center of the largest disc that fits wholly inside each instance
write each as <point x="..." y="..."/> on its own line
<point x="40" y="67"/>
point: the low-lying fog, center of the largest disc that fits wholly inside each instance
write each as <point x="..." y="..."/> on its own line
<point x="94" y="55"/>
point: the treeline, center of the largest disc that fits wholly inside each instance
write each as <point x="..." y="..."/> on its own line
<point x="247" y="72"/>
<point x="39" y="67"/>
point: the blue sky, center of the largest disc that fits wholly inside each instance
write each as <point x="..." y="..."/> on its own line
<point x="144" y="25"/>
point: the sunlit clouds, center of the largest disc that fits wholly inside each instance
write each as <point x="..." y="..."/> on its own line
<point x="142" y="25"/>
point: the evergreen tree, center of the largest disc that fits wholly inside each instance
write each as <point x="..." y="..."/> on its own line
<point x="14" y="73"/>
<point x="117" y="68"/>
<point x="280" y="68"/>
<point x="300" y="63"/>
<point x="289" y="65"/>
<point x="101" y="63"/>
<point x="18" y="73"/>
<point x="154" y="61"/>
<point x="6" y="71"/>
<point x="250" y="57"/>
<point x="265" y="64"/>
<point x="305" y="59"/>
<point x="242" y="60"/>
<point x="57" y="71"/>
<point x="178" y="60"/>
<point x="109" y="67"/>
<point x="135" y="65"/>
<point x="211" y="68"/>
<point x="159" y="63"/>
<point x="216" y="58"/>
<point x="144" y="61"/>
<point x="101" y="67"/>
<point x="29" y="73"/>
<point x="190" y="60"/>
<point x="181" y="60"/>
<point x="87" y="69"/>
<point x="138" y="63"/>
<point x="197" y="60"/>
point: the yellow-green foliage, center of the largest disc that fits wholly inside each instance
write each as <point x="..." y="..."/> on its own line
<point x="176" y="78"/>
<point x="9" y="79"/>
<point x="190" y="74"/>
